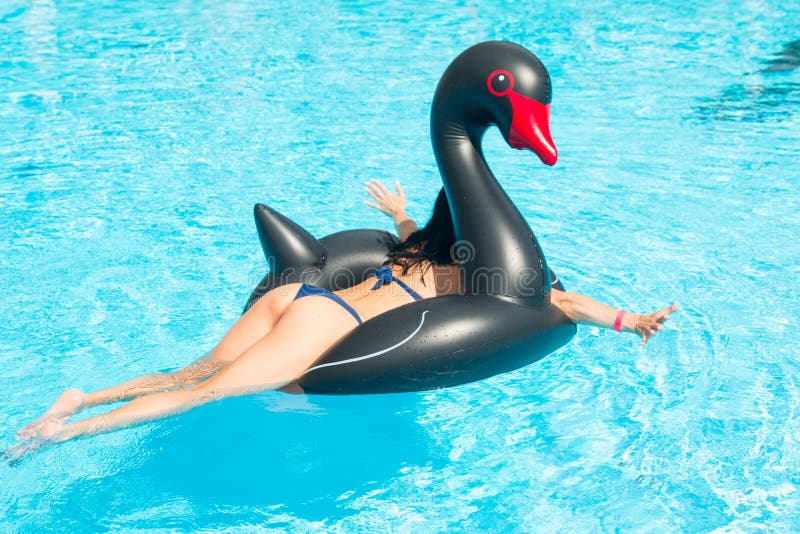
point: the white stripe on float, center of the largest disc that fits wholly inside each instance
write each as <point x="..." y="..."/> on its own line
<point x="384" y="351"/>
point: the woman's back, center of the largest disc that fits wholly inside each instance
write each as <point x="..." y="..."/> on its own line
<point x="426" y="279"/>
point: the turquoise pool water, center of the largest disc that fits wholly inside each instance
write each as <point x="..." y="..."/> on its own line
<point x="135" y="138"/>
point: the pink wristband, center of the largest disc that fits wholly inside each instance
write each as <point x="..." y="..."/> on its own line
<point x="618" y="321"/>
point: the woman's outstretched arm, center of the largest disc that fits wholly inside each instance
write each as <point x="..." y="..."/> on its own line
<point x="394" y="205"/>
<point x="582" y="309"/>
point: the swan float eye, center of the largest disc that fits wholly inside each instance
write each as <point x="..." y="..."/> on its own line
<point x="500" y="82"/>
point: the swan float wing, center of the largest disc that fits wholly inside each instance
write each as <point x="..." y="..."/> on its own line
<point x="436" y="343"/>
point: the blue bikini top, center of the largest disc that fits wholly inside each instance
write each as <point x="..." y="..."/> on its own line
<point x="386" y="276"/>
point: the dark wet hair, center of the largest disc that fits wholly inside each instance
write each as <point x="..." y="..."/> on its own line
<point x="433" y="243"/>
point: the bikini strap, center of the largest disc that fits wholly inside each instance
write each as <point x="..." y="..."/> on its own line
<point x="385" y="276"/>
<point x="340" y="301"/>
<point x="410" y="291"/>
<point x="307" y="290"/>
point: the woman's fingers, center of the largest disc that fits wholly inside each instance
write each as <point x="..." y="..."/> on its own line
<point x="382" y="187"/>
<point x="375" y="197"/>
<point x="647" y="329"/>
<point x="664" y="314"/>
<point x="669" y="309"/>
<point x="384" y="204"/>
<point x="378" y="188"/>
<point x="374" y="191"/>
<point x="378" y="207"/>
<point x="377" y="185"/>
<point x="650" y="325"/>
<point x="390" y="203"/>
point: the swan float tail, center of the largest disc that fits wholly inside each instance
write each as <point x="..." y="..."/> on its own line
<point x="336" y="261"/>
<point x="286" y="244"/>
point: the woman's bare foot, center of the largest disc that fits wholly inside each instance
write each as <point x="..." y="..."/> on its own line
<point x="49" y="428"/>
<point x="26" y="446"/>
<point x="38" y="438"/>
<point x="67" y="404"/>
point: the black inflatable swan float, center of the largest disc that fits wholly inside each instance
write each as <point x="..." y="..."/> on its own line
<point x="505" y="319"/>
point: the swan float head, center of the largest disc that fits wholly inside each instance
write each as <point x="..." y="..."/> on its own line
<point x="503" y="84"/>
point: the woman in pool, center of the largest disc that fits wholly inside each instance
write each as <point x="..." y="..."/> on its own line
<point x="272" y="343"/>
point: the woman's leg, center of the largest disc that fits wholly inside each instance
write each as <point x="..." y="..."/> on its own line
<point x="248" y="329"/>
<point x="307" y="329"/>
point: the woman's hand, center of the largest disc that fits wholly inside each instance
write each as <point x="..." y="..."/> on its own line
<point x="649" y="325"/>
<point x="393" y="205"/>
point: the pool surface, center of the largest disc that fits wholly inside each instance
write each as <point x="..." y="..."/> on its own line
<point x="135" y="138"/>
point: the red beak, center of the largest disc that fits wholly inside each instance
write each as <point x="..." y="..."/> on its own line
<point x="530" y="128"/>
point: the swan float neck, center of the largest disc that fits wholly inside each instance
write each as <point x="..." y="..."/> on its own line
<point x="493" y="83"/>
